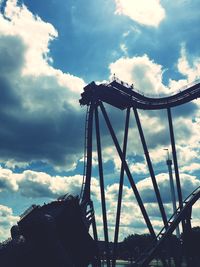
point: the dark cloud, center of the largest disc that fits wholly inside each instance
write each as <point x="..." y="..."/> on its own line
<point x="188" y="184"/>
<point x="37" y="120"/>
<point x="11" y="54"/>
<point x="186" y="110"/>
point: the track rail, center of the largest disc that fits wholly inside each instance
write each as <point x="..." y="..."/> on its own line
<point x="122" y="96"/>
<point x="173" y="222"/>
<point x="85" y="154"/>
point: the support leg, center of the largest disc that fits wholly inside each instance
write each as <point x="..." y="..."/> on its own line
<point x="151" y="171"/>
<point x="178" y="184"/>
<point x="128" y="173"/>
<point x="120" y="190"/>
<point x="175" y="158"/>
<point x="103" y="202"/>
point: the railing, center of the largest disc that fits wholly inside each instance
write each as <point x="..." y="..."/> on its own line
<point x="177" y="212"/>
<point x="158" y="95"/>
<point x="165" y="232"/>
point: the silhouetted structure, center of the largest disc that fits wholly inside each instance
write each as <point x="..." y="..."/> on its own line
<point x="53" y="235"/>
<point x="56" y="234"/>
<point x="124" y="97"/>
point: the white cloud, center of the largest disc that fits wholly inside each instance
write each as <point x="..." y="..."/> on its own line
<point x="124" y="48"/>
<point x="7" y="220"/>
<point x="147" y="76"/>
<point x="191" y="168"/>
<point x="188" y="66"/>
<point x="37" y="36"/>
<point x="38" y="93"/>
<point x="35" y="33"/>
<point x="141" y="71"/>
<point x="190" y="70"/>
<point x="32" y="184"/>
<point x="138" y="168"/>
<point x="6" y="180"/>
<point x="149" y="13"/>
<point x="38" y="184"/>
<point x="131" y="218"/>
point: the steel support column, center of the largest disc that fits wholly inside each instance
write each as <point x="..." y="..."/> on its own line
<point x="173" y="195"/>
<point x="187" y="240"/>
<point x="86" y="189"/>
<point x="121" y="182"/>
<point x="150" y="167"/>
<point x="97" y="261"/>
<point x="128" y="173"/>
<point x="86" y="192"/>
<point x="178" y="184"/>
<point x="101" y="178"/>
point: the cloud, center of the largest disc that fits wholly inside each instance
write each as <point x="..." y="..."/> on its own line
<point x="35" y="33"/>
<point x="148" y="76"/>
<point x="138" y="168"/>
<point x="188" y="184"/>
<point x="7" y="220"/>
<point x="191" y="168"/>
<point x="6" y="181"/>
<point x="131" y="218"/>
<point x="32" y="184"/>
<point x="124" y="48"/>
<point x="36" y="185"/>
<point x="148" y="13"/>
<point x="40" y="114"/>
<point x="141" y="71"/>
<point x="190" y="70"/>
<point x="187" y="65"/>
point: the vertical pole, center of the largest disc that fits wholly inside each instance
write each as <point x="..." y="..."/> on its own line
<point x="128" y="173"/>
<point x="178" y="184"/>
<point x="120" y="189"/>
<point x="153" y="178"/>
<point x="103" y="202"/>
<point x="97" y="261"/>
<point x="86" y="192"/>
<point x="187" y="239"/>
<point x="173" y="196"/>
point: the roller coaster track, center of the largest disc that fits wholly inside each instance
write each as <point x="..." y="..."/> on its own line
<point x="85" y="153"/>
<point x="173" y="222"/>
<point x="122" y="96"/>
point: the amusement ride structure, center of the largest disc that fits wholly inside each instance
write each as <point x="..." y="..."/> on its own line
<point x="57" y="234"/>
<point x="124" y="97"/>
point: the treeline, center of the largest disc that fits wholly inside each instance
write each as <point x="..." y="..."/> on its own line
<point x="133" y="245"/>
<point x="189" y="245"/>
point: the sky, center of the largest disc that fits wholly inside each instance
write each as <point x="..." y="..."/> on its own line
<point x="50" y="50"/>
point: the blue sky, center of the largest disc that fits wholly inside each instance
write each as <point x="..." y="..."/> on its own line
<point x="49" y="50"/>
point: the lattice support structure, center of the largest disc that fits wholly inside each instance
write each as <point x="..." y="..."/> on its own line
<point x="122" y="96"/>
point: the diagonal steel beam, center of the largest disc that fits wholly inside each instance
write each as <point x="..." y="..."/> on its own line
<point x="86" y="193"/>
<point x="178" y="184"/>
<point x="101" y="179"/>
<point x="121" y="182"/>
<point x="150" y="167"/>
<point x="128" y="173"/>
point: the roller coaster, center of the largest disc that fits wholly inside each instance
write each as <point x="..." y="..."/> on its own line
<point x="124" y="97"/>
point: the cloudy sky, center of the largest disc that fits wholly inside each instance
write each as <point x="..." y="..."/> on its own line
<point x="49" y="50"/>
